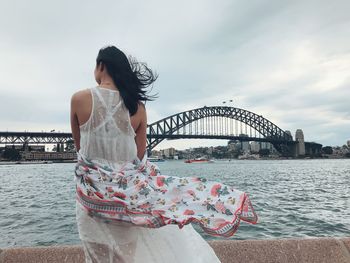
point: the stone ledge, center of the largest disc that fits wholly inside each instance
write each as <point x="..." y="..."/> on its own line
<point x="334" y="250"/>
<point x="47" y="254"/>
<point x="327" y="250"/>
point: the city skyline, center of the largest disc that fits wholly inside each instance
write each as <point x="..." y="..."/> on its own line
<point x="289" y="62"/>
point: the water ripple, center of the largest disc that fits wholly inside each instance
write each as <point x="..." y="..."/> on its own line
<point x="293" y="198"/>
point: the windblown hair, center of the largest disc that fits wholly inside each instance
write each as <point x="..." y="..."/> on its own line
<point x="132" y="78"/>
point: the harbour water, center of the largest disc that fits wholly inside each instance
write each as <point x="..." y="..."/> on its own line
<point x="293" y="198"/>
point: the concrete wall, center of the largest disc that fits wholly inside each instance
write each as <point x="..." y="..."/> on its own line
<point x="327" y="250"/>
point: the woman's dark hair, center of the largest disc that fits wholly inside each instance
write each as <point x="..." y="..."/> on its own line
<point x="131" y="77"/>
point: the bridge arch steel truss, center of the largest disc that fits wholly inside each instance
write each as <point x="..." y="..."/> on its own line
<point x="168" y="127"/>
<point x="35" y="137"/>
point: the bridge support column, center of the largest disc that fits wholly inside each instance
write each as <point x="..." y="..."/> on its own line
<point x="149" y="151"/>
<point x="300" y="146"/>
<point x="60" y="147"/>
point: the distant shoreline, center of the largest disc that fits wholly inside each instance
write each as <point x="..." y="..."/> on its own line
<point x="36" y="162"/>
<point x="3" y="162"/>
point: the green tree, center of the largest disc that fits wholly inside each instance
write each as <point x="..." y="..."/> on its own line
<point x="70" y="146"/>
<point x="327" y="150"/>
<point x="264" y="152"/>
<point x="12" y="154"/>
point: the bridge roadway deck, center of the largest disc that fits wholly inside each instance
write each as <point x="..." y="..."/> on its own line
<point x="327" y="250"/>
<point x="223" y="137"/>
<point x="59" y="137"/>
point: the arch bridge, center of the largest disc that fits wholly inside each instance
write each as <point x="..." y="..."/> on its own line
<point x="219" y="122"/>
<point x="215" y="122"/>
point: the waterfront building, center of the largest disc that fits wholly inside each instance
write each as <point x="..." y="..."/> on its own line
<point x="35" y="156"/>
<point x="254" y="147"/>
<point x="16" y="147"/>
<point x="156" y="153"/>
<point x="265" y="145"/>
<point x="210" y="150"/>
<point x="268" y="146"/>
<point x="244" y="144"/>
<point x="36" y="148"/>
<point x="169" y="153"/>
<point x="232" y="146"/>
<point x="300" y="147"/>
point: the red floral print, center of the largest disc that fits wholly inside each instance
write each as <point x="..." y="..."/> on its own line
<point x="99" y="195"/>
<point x="160" y="181"/>
<point x="189" y="212"/>
<point x="144" y="197"/>
<point x="119" y="195"/>
<point x="215" y="189"/>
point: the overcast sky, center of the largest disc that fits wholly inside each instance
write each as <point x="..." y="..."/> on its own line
<point x="286" y="60"/>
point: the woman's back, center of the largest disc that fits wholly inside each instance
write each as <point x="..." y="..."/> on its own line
<point x="108" y="136"/>
<point x="128" y="211"/>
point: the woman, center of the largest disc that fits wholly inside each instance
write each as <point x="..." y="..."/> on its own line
<point x="126" y="210"/>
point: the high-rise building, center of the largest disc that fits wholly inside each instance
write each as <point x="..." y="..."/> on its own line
<point x="254" y="147"/>
<point x="169" y="153"/>
<point x="156" y="153"/>
<point x="265" y="145"/>
<point x="244" y="144"/>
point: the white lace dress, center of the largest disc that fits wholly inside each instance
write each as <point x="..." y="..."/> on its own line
<point x="107" y="138"/>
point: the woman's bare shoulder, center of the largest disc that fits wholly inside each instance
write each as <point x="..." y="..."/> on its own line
<point x="141" y="109"/>
<point x="142" y="106"/>
<point x="81" y="95"/>
<point x="140" y="115"/>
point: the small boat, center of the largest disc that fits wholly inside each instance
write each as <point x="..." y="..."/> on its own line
<point x="199" y="160"/>
<point x="155" y="159"/>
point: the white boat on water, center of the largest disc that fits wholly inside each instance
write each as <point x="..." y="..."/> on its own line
<point x="155" y="159"/>
<point x="199" y="160"/>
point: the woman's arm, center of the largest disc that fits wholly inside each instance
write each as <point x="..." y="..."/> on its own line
<point x="141" y="131"/>
<point x="74" y="121"/>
